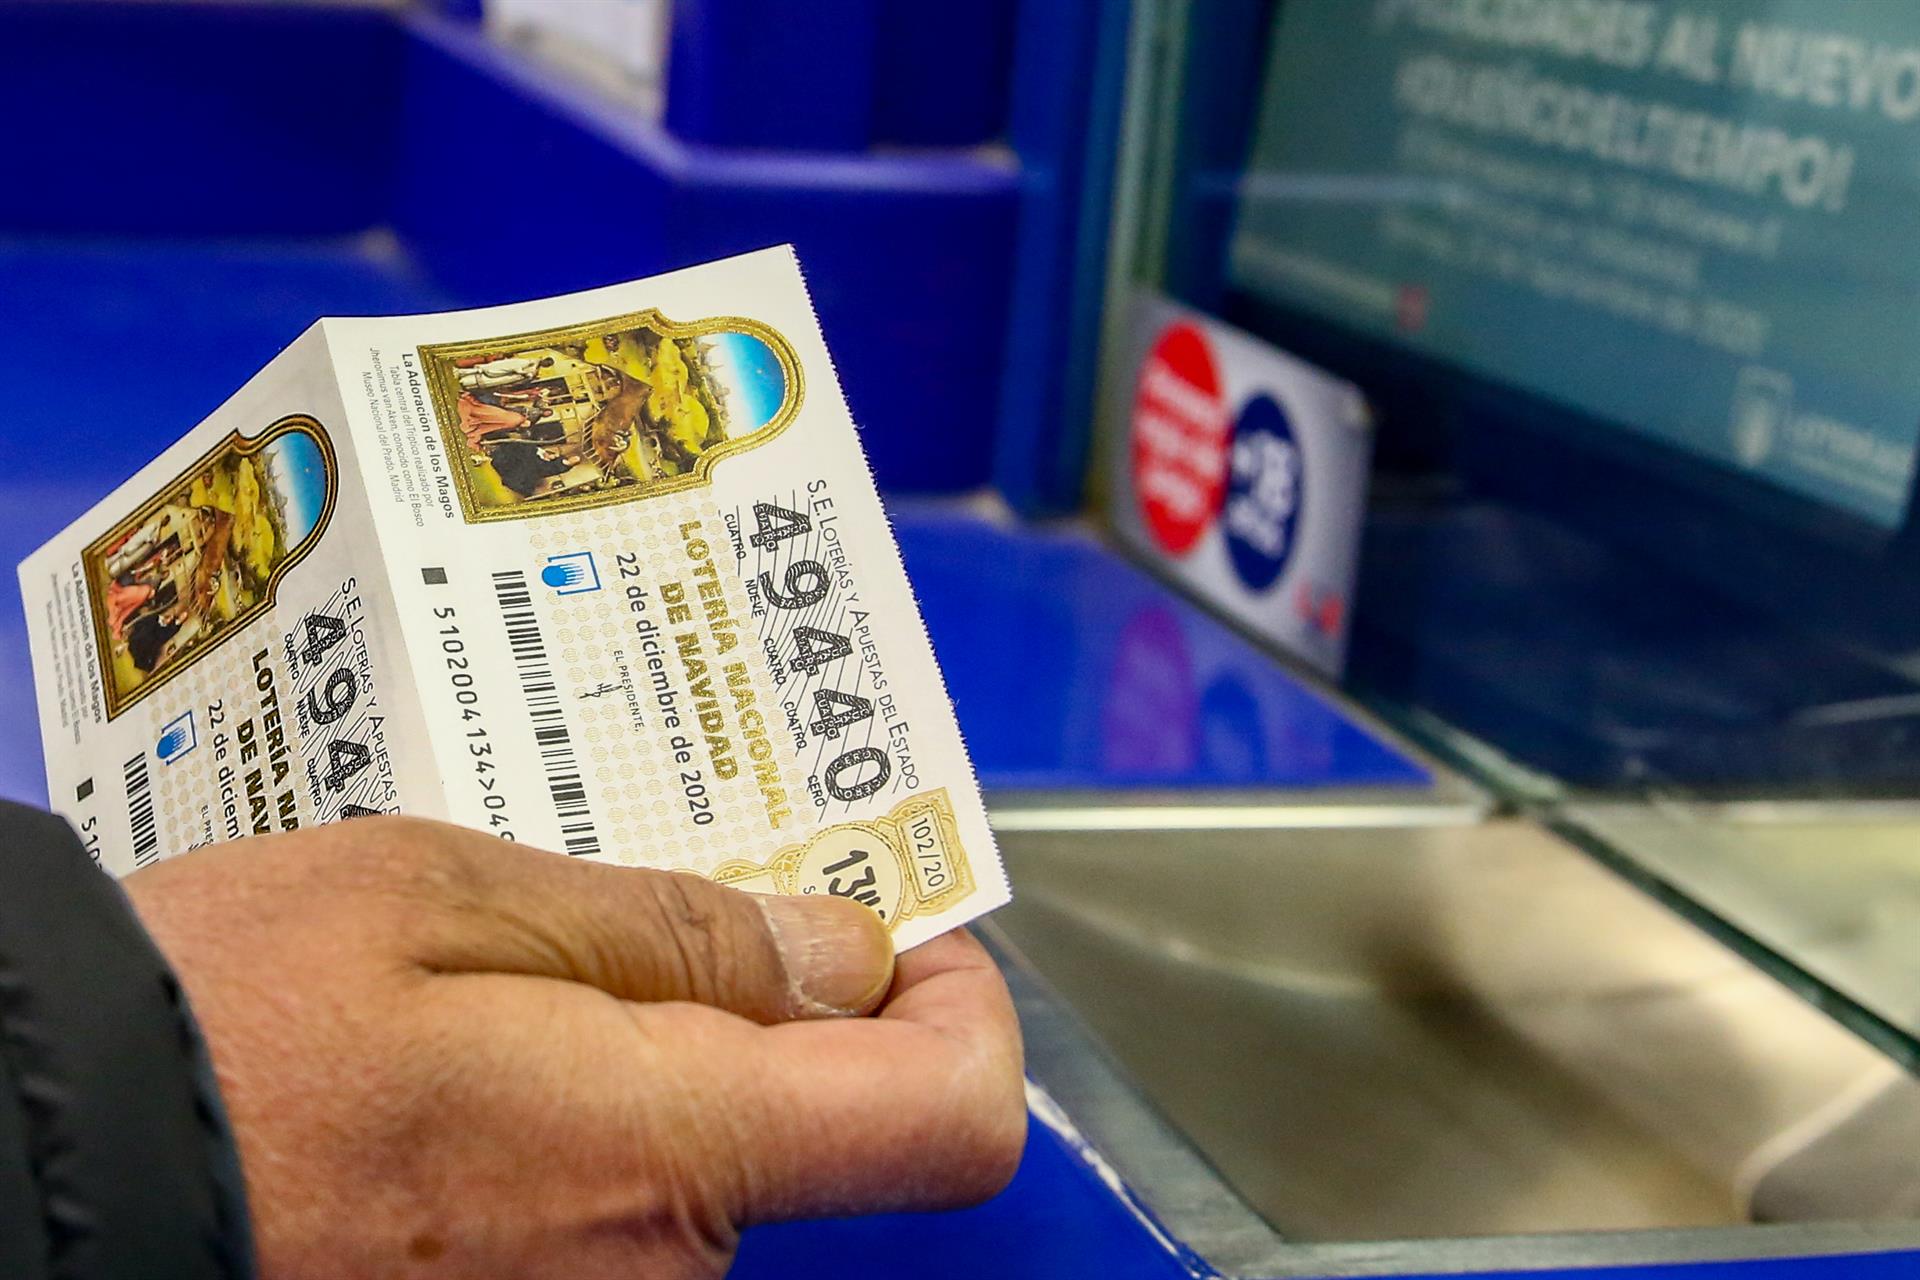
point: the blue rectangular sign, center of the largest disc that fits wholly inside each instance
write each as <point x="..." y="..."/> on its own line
<point x="1695" y="220"/>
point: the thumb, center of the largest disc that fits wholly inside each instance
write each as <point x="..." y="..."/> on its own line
<point x="655" y="935"/>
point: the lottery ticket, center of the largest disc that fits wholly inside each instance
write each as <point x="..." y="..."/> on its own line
<point x="604" y="574"/>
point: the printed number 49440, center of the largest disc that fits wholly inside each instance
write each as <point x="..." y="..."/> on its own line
<point x="857" y="772"/>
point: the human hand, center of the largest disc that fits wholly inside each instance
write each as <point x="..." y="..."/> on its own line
<point x="447" y="1055"/>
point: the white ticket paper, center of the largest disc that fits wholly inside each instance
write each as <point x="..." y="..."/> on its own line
<point x="605" y="574"/>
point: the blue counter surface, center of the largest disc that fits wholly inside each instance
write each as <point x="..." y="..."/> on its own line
<point x="1057" y="1220"/>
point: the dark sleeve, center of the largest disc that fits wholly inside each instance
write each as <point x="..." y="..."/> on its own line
<point x="115" y="1158"/>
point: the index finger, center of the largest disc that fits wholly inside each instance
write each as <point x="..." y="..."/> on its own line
<point x="951" y="985"/>
<point x="921" y="1107"/>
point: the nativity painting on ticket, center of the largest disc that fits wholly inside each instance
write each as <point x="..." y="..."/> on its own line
<point x="592" y="414"/>
<point x="200" y="559"/>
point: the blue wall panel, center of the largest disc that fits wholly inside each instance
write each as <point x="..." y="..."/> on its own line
<point x="769" y="73"/>
<point x="202" y="121"/>
<point x="908" y="256"/>
<point x="1069" y="65"/>
<point x="941" y="72"/>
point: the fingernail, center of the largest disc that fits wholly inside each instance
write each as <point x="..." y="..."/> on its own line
<point x="838" y="955"/>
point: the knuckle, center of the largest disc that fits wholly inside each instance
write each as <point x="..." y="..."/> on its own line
<point x="699" y="947"/>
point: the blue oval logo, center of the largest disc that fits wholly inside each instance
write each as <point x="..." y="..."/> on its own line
<point x="1266" y="489"/>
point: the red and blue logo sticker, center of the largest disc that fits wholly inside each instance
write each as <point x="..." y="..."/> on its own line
<point x="1195" y="465"/>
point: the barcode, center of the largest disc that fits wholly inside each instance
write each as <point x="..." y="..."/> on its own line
<point x="543" y="709"/>
<point x="146" y="837"/>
